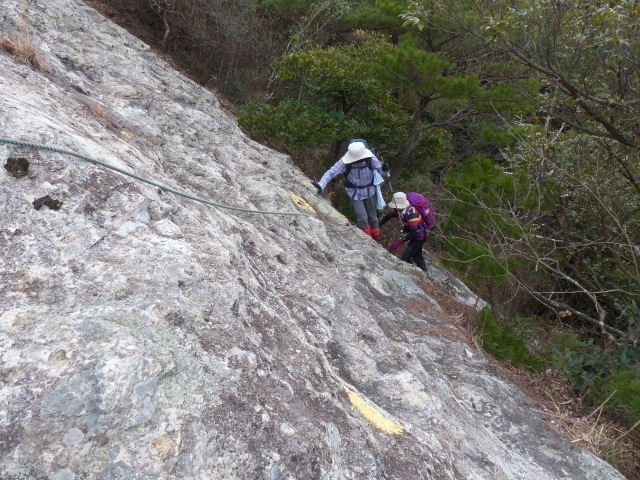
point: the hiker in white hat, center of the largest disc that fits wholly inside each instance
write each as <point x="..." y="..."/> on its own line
<point x="358" y="165"/>
<point x="414" y="224"/>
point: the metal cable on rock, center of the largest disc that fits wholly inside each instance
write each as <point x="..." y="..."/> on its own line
<point x="144" y="180"/>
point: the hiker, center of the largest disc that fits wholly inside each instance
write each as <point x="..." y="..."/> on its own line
<point x="414" y="224"/>
<point x="358" y="166"/>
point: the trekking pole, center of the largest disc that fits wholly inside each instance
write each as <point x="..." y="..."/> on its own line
<point x="388" y="182"/>
<point x="388" y="176"/>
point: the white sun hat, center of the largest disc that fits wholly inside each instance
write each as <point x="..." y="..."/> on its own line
<point x="399" y="201"/>
<point x="356" y="151"/>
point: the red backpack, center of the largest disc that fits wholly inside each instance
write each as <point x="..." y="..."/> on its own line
<point x="424" y="207"/>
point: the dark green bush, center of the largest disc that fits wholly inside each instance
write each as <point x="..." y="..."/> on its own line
<point x="624" y="387"/>
<point x="599" y="373"/>
<point x="502" y="343"/>
<point x="584" y="363"/>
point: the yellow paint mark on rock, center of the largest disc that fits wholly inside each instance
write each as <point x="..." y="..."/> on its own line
<point x="58" y="356"/>
<point x="373" y="416"/>
<point x="126" y="134"/>
<point x="302" y="203"/>
<point x="165" y="446"/>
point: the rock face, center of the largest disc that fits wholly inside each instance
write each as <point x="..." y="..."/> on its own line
<point x="147" y="336"/>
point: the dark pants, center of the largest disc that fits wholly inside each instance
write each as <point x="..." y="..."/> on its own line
<point x="414" y="253"/>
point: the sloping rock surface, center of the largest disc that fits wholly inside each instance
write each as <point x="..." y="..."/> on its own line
<point x="147" y="336"/>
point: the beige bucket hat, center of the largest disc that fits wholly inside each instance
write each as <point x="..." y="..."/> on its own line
<point x="399" y="201"/>
<point x="356" y="151"/>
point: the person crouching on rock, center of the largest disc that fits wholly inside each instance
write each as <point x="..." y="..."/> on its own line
<point x="358" y="165"/>
<point x="412" y="225"/>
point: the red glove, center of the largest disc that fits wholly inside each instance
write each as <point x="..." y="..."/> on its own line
<point x="395" y="245"/>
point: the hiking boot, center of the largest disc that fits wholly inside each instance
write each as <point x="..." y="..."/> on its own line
<point x="367" y="230"/>
<point x="375" y="233"/>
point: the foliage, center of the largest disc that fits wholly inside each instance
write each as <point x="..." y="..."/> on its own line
<point x="422" y="73"/>
<point x="585" y="237"/>
<point x="584" y="363"/>
<point x="480" y="222"/>
<point x="427" y="164"/>
<point x="286" y="6"/>
<point x="429" y="88"/>
<point x="297" y="124"/>
<point x="610" y="373"/>
<point x="623" y="388"/>
<point x="339" y="76"/>
<point x="502" y="343"/>
<point x="630" y="353"/>
<point x="584" y="53"/>
<point x="327" y="95"/>
<point x="399" y="96"/>
<point x="375" y="15"/>
<point x="561" y="212"/>
<point x="583" y="159"/>
<point x="329" y="90"/>
<point x="592" y="62"/>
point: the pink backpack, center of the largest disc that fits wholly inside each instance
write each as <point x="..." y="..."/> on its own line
<point x="425" y="209"/>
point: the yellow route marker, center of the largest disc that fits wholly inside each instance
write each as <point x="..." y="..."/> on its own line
<point x="302" y="203"/>
<point x="373" y="416"/>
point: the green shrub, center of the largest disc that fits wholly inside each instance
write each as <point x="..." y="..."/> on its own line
<point x="599" y="373"/>
<point x="625" y="402"/>
<point x="502" y="343"/>
<point x="584" y="363"/>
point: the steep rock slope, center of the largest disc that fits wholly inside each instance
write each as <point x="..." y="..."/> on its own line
<point x="145" y="335"/>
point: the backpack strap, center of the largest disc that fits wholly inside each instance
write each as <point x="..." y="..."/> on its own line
<point x="366" y="164"/>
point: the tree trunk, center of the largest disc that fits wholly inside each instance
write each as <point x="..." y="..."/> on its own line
<point x="414" y="138"/>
